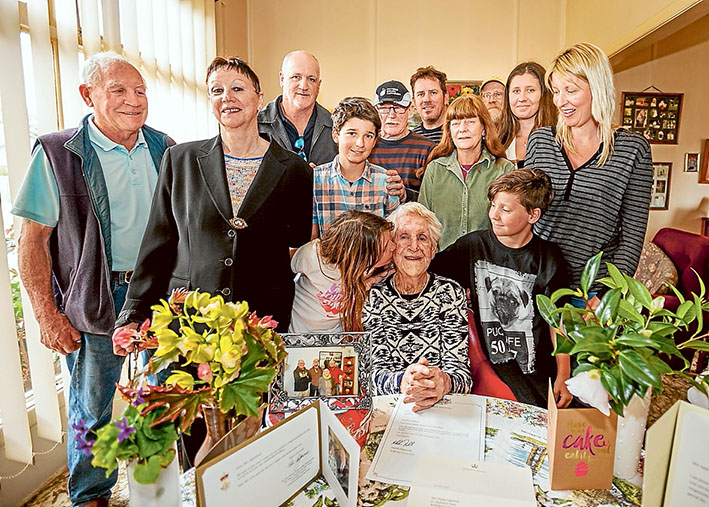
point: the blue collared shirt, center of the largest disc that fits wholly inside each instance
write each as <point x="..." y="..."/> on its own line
<point x="130" y="178"/>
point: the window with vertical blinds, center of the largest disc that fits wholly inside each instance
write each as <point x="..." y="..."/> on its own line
<point x="43" y="43"/>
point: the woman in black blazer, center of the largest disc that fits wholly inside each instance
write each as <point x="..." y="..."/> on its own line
<point x="225" y="211"/>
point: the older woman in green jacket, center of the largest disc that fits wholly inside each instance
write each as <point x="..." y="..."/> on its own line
<point x="460" y="169"/>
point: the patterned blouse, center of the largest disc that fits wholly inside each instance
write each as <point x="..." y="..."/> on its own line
<point x="405" y="329"/>
<point x="240" y="173"/>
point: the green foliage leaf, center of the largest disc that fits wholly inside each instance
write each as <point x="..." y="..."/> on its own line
<point x="640" y="293"/>
<point x="560" y="293"/>
<point x="638" y="369"/>
<point x="611" y="383"/>
<point x="617" y="278"/>
<point x="662" y="367"/>
<point x="589" y="272"/>
<point x="563" y="345"/>
<point x="147" y="472"/>
<point x="547" y="310"/>
<point x="637" y="340"/>
<point x="696" y="345"/>
<point x="606" y="309"/>
<point x="629" y="312"/>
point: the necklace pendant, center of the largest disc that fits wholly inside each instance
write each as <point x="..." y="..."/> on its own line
<point x="238" y="223"/>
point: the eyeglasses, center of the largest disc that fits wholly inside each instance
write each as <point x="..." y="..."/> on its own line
<point x="300" y="145"/>
<point x="385" y="110"/>
<point x="496" y="95"/>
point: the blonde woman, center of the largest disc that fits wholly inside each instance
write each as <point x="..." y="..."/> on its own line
<point x="601" y="175"/>
<point x="335" y="273"/>
<point x="528" y="106"/>
<point x="462" y="166"/>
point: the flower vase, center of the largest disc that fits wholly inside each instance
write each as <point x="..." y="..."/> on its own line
<point x="630" y="436"/>
<point x="220" y="425"/>
<point x="165" y="492"/>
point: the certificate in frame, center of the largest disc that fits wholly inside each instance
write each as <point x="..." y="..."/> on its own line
<point x="350" y="352"/>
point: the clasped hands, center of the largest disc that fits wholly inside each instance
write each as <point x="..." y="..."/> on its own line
<point x="424" y="385"/>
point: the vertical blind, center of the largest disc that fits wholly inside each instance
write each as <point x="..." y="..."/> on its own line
<point x="170" y="42"/>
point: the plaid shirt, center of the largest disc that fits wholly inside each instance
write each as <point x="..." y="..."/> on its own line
<point x="333" y="194"/>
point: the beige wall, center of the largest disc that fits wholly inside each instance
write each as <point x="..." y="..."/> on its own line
<point x="678" y="64"/>
<point x="363" y="43"/>
<point x="613" y="24"/>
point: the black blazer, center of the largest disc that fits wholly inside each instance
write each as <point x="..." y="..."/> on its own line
<point x="190" y="240"/>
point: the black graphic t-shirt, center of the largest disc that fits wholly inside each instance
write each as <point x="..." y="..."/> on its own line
<point x="503" y="284"/>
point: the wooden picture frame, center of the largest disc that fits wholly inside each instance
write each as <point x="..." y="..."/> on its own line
<point x="704" y="166"/>
<point x="660" y="196"/>
<point x="653" y="115"/>
<point x="459" y="88"/>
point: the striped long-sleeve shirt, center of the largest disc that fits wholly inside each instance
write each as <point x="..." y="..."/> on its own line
<point x="595" y="208"/>
<point x="406" y="155"/>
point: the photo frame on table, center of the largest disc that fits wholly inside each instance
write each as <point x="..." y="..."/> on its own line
<point x="459" y="88"/>
<point x="704" y="166"/>
<point x="653" y="115"/>
<point x="350" y="353"/>
<point x="660" y="196"/>
<point x="691" y="162"/>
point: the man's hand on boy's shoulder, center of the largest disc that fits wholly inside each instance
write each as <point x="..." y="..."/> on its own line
<point x="395" y="186"/>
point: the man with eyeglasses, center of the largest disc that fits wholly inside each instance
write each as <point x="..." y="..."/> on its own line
<point x="493" y="94"/>
<point x="398" y="147"/>
<point x="294" y="119"/>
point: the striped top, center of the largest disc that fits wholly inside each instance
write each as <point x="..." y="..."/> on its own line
<point x="406" y="155"/>
<point x="434" y="134"/>
<point x="595" y="208"/>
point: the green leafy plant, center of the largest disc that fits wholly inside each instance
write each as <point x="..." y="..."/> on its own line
<point x="235" y="353"/>
<point x="620" y="340"/>
<point x="145" y="432"/>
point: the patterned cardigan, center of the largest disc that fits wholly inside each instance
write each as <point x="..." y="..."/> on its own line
<point x="433" y="326"/>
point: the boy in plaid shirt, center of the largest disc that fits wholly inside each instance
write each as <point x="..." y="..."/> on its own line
<point x="350" y="181"/>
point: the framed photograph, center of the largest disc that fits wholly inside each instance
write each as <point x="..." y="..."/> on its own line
<point x="459" y="88"/>
<point x="691" y="162"/>
<point x="661" y="172"/>
<point x="332" y="367"/>
<point x="654" y="115"/>
<point x="704" y="166"/>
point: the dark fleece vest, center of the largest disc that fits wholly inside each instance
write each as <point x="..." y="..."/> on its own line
<point x="80" y="244"/>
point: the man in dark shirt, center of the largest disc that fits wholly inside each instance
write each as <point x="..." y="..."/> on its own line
<point x="431" y="101"/>
<point x="301" y="380"/>
<point x="294" y="119"/>
<point x="315" y="374"/>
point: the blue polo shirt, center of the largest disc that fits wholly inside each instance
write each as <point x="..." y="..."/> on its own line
<point x="130" y="178"/>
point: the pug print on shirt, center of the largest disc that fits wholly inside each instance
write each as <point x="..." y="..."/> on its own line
<point x="506" y="314"/>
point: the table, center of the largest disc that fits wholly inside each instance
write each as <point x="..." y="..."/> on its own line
<point x="515" y="433"/>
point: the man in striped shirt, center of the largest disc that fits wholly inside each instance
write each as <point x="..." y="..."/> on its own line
<point x="397" y="147"/>
<point x="431" y="101"/>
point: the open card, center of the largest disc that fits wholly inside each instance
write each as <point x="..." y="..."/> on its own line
<point x="274" y="466"/>
<point x="676" y="458"/>
<point x="302" y="378"/>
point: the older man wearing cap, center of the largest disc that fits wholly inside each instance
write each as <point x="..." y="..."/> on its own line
<point x="398" y="147"/>
<point x="493" y="94"/>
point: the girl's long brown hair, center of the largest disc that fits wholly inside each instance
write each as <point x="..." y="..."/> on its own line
<point x="353" y="244"/>
<point x="547" y="114"/>
<point x="466" y="106"/>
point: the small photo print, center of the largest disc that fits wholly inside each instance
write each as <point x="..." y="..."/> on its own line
<point x="321" y="371"/>
<point x="691" y="162"/>
<point x="640" y="118"/>
<point x="338" y="460"/>
<point x="642" y="101"/>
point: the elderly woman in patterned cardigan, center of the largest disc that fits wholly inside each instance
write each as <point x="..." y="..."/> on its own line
<point x="418" y="320"/>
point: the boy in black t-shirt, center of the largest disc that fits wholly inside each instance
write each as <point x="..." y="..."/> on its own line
<point x="504" y="268"/>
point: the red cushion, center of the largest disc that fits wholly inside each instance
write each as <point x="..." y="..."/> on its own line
<point x="688" y="252"/>
<point x="485" y="380"/>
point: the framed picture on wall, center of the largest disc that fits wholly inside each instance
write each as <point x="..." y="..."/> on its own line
<point x="704" y="166"/>
<point x="654" y="115"/>
<point x="660" y="196"/>
<point x="459" y="88"/>
<point x="691" y="162"/>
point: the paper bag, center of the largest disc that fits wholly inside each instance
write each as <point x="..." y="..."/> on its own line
<point x="581" y="447"/>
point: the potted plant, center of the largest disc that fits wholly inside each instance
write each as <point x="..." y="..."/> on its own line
<point x="220" y="346"/>
<point x="617" y="347"/>
<point x="144" y="436"/>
